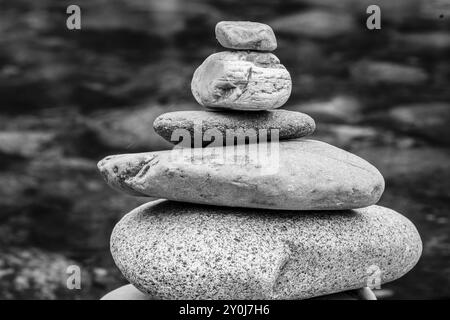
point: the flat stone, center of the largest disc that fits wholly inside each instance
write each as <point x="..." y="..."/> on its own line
<point x="241" y="81"/>
<point x="429" y="120"/>
<point x="25" y="143"/>
<point x="394" y="11"/>
<point x="316" y="23"/>
<point x="290" y="175"/>
<point x="423" y="41"/>
<point x="246" y="35"/>
<point x="379" y="72"/>
<point x="281" y="124"/>
<point x="339" y="109"/>
<point x="174" y="250"/>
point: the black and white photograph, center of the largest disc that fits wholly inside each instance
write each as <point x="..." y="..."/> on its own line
<point x="225" y="154"/>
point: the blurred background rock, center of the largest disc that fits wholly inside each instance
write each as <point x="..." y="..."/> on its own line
<point x="68" y="98"/>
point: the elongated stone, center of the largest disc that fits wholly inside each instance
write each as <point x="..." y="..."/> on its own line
<point x="241" y="81"/>
<point x="176" y="250"/>
<point x="186" y="126"/>
<point x="291" y="175"/>
<point x="246" y="35"/>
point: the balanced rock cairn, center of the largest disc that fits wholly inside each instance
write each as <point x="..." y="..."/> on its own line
<point x="235" y="226"/>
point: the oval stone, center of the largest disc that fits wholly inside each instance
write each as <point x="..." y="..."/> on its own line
<point x="241" y="80"/>
<point x="176" y="250"/>
<point x="246" y="35"/>
<point x="177" y="126"/>
<point x="291" y="175"/>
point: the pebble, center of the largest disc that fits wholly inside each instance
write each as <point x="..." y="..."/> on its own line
<point x="281" y="124"/>
<point x="316" y="23"/>
<point x="423" y="41"/>
<point x="429" y="120"/>
<point x="384" y="72"/>
<point x="339" y="109"/>
<point x="290" y="175"/>
<point x="246" y="35"/>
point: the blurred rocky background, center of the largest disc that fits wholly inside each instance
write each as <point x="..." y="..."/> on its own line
<point x="68" y="98"/>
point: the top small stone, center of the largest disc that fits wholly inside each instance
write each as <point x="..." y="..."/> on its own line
<point x="245" y="35"/>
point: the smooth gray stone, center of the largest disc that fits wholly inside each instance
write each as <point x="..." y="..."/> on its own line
<point x="430" y="120"/>
<point x="241" y="80"/>
<point x="316" y="24"/>
<point x="176" y="250"/>
<point x="385" y="72"/>
<point x="290" y="175"/>
<point x="283" y="124"/>
<point x="246" y="35"/>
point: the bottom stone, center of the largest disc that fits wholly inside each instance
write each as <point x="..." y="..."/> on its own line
<point x="174" y="250"/>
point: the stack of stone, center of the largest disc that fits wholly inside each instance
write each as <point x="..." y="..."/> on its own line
<point x="300" y="225"/>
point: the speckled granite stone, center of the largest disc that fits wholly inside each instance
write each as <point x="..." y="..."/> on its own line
<point x="183" y="251"/>
<point x="292" y="175"/>
<point x="285" y="124"/>
<point x="241" y="80"/>
<point x="246" y="35"/>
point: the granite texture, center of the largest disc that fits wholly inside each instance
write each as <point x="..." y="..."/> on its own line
<point x="282" y="124"/>
<point x="246" y="35"/>
<point x="174" y="250"/>
<point x="241" y="80"/>
<point x="291" y="175"/>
